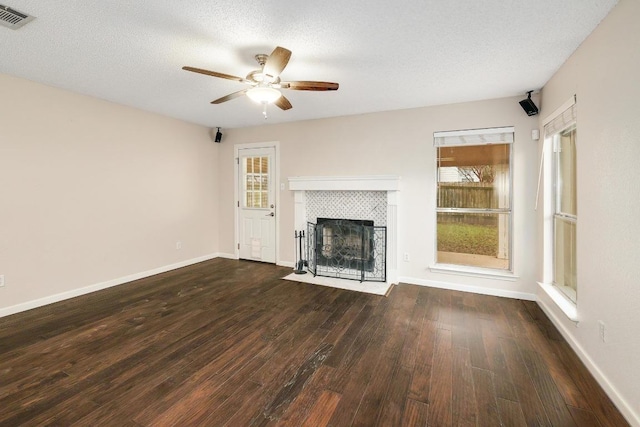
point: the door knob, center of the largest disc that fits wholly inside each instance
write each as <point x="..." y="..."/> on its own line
<point x="270" y="214"/>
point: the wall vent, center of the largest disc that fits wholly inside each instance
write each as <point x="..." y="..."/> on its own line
<point x="12" y="18"/>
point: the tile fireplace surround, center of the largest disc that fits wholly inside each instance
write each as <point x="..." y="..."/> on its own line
<point x="372" y="197"/>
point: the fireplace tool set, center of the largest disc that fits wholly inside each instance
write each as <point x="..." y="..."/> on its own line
<point x="300" y="263"/>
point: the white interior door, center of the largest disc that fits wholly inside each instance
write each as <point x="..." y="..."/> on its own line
<point x="256" y="204"/>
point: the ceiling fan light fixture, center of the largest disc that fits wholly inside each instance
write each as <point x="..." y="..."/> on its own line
<point x="264" y="95"/>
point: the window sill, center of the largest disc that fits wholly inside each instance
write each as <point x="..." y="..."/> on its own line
<point x="569" y="308"/>
<point x="473" y="272"/>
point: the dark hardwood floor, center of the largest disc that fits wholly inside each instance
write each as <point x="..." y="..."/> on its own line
<point x="229" y="343"/>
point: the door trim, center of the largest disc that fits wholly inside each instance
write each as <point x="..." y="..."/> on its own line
<point x="236" y="187"/>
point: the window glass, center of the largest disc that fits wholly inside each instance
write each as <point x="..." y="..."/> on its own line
<point x="474" y="176"/>
<point x="474" y="205"/>
<point x="567" y="171"/>
<point x="564" y="275"/>
<point x="565" y="217"/>
<point x="479" y="240"/>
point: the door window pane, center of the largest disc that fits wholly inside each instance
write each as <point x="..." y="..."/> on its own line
<point x="256" y="182"/>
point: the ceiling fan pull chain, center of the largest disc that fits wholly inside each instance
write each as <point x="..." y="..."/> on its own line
<point x="264" y="110"/>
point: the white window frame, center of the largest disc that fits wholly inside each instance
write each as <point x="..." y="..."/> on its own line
<point x="561" y="119"/>
<point x="501" y="135"/>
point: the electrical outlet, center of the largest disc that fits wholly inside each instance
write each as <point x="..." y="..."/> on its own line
<point x="601" y="331"/>
<point x="406" y="257"/>
<point x="1" y="280"/>
<point x="178" y="245"/>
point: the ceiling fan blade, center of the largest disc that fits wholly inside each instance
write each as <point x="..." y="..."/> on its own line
<point x="308" y="85"/>
<point x="215" y="74"/>
<point x="230" y="97"/>
<point x="276" y="62"/>
<point x="283" y="103"/>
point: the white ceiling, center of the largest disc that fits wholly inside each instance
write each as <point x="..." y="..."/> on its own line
<point x="386" y="55"/>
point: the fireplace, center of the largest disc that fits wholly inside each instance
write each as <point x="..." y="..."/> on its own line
<point x="347" y="249"/>
<point x="350" y="224"/>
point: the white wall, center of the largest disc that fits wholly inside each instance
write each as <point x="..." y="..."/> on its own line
<point x="603" y="73"/>
<point x="91" y="192"/>
<point x="397" y="143"/>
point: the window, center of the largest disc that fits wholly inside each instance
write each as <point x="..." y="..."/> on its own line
<point x="256" y="182"/>
<point x="561" y="134"/>
<point x="473" y="210"/>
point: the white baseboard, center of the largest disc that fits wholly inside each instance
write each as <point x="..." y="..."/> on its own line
<point x="468" y="288"/>
<point x="226" y="255"/>
<point x="624" y="406"/>
<point x="7" y="311"/>
<point x="234" y="256"/>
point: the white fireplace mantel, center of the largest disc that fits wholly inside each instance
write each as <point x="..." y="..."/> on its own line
<point x="345" y="183"/>
<point x="363" y="183"/>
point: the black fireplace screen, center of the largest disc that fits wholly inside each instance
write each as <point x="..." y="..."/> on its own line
<point x="347" y="249"/>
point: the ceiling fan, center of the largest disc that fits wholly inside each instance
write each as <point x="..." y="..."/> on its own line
<point x="265" y="82"/>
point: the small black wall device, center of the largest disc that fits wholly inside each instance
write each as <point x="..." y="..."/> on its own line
<point x="219" y="135"/>
<point x="528" y="106"/>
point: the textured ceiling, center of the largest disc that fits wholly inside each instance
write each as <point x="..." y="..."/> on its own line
<point x="385" y="55"/>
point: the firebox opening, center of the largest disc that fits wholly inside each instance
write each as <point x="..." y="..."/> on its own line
<point x="345" y="242"/>
<point x="347" y="248"/>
